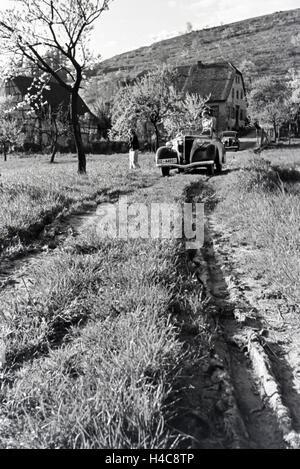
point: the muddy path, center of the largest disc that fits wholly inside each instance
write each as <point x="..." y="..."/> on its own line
<point x="55" y="230"/>
<point x="14" y="268"/>
<point x="259" y="396"/>
<point x="13" y="271"/>
<point x="237" y="328"/>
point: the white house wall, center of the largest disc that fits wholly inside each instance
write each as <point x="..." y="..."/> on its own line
<point x="236" y="98"/>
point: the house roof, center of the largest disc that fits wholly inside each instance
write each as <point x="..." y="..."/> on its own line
<point x="214" y="80"/>
<point x="56" y="96"/>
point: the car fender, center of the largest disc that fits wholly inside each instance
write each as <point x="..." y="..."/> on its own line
<point x="203" y="146"/>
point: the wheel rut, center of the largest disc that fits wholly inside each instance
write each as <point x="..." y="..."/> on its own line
<point x="243" y="347"/>
<point x="14" y="270"/>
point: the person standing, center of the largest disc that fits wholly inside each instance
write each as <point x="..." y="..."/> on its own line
<point x="134" y="147"/>
<point x="209" y="123"/>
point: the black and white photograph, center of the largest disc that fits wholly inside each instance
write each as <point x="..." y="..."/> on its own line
<point x="149" y="227"/>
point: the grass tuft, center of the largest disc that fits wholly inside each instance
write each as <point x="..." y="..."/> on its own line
<point x="259" y="205"/>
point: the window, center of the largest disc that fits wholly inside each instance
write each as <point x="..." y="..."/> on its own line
<point x="242" y="95"/>
<point x="233" y="94"/>
<point x="241" y="115"/>
<point x="237" y="95"/>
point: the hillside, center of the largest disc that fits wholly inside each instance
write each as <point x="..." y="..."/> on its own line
<point x="271" y="42"/>
<point x="266" y="40"/>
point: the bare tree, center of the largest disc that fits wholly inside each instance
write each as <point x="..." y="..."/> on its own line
<point x="103" y="111"/>
<point x="35" y="27"/>
<point x="57" y="126"/>
<point x="56" y="120"/>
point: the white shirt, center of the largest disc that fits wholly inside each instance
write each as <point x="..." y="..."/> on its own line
<point x="209" y="123"/>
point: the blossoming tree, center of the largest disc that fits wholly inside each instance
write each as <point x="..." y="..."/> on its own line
<point x="10" y="131"/>
<point x="34" y="27"/>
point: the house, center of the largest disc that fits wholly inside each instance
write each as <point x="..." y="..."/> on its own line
<point x="36" y="126"/>
<point x="223" y="83"/>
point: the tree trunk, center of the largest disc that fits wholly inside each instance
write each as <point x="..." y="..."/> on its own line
<point x="54" y="151"/>
<point x="275" y="132"/>
<point x="5" y="151"/>
<point x="40" y="133"/>
<point x="157" y="135"/>
<point x="77" y="132"/>
<point x="54" y="145"/>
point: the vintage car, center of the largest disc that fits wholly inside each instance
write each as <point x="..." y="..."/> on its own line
<point x="230" y="140"/>
<point x="188" y="151"/>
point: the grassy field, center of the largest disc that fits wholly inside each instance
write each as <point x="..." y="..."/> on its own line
<point x="92" y="345"/>
<point x="91" y="350"/>
<point x="259" y="206"/>
<point x="99" y="336"/>
<point x="33" y="192"/>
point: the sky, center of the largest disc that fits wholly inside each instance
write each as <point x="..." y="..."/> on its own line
<point x="130" y="24"/>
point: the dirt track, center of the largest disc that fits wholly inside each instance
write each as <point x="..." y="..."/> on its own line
<point x="256" y="350"/>
<point x="14" y="271"/>
<point x="244" y="352"/>
<point x="257" y="347"/>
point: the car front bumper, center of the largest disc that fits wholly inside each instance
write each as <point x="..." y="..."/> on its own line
<point x="185" y="166"/>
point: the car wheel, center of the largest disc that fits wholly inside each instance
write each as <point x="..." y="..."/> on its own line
<point x="211" y="170"/>
<point x="165" y="172"/>
<point x="218" y="166"/>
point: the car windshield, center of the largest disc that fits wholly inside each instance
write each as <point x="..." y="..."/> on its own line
<point x="229" y="134"/>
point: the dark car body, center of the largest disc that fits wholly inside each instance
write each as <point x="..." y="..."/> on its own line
<point x="230" y="140"/>
<point x="191" y="151"/>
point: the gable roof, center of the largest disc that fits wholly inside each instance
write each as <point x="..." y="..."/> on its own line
<point x="56" y="96"/>
<point x="214" y="80"/>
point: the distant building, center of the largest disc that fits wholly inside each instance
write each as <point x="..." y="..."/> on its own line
<point x="34" y="126"/>
<point x="223" y="83"/>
